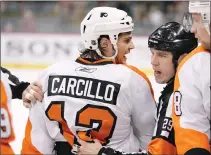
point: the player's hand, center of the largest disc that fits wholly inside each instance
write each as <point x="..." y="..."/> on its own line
<point x="89" y="148"/>
<point x="32" y="93"/>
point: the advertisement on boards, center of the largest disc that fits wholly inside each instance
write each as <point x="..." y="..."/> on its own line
<point x="30" y="50"/>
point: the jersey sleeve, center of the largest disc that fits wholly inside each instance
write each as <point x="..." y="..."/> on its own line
<point x="143" y="108"/>
<point x="163" y="138"/>
<point x="37" y="139"/>
<point x="7" y="132"/>
<point x="191" y="110"/>
<point x="17" y="90"/>
<point x="204" y="77"/>
<point x="12" y="78"/>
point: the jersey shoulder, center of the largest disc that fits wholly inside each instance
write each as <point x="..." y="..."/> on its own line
<point x="140" y="76"/>
<point x="197" y="55"/>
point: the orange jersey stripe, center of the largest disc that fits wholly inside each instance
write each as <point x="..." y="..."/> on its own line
<point x="27" y="146"/>
<point x="95" y="62"/>
<point x="187" y="139"/>
<point x="195" y="51"/>
<point x="6" y="149"/>
<point x="161" y="147"/>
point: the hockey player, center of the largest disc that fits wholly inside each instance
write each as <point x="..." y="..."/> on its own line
<point x="11" y="88"/>
<point x="97" y="96"/>
<point x="169" y="44"/>
<point x="7" y="133"/>
<point x="191" y="110"/>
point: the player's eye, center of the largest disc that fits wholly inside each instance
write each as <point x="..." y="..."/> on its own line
<point x="162" y="55"/>
<point x="127" y="40"/>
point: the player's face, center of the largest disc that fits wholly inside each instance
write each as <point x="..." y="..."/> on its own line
<point x="200" y="31"/>
<point x="124" y="45"/>
<point x="162" y="65"/>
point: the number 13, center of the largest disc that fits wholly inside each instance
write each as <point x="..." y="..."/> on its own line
<point x="101" y="119"/>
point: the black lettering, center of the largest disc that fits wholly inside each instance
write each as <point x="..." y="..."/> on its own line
<point x="87" y="88"/>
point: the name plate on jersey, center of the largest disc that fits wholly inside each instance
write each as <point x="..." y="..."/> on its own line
<point x="81" y="87"/>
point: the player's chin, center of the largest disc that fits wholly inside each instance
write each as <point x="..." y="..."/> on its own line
<point x="160" y="80"/>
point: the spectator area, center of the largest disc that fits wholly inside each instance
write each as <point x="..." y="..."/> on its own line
<point x="65" y="16"/>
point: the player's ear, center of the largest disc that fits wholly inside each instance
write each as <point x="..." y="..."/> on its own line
<point x="104" y="43"/>
<point x="105" y="46"/>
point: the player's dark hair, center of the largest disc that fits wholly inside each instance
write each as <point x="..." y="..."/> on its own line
<point x="92" y="54"/>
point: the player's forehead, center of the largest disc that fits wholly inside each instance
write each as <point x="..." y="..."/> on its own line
<point x="125" y="35"/>
<point x="160" y="51"/>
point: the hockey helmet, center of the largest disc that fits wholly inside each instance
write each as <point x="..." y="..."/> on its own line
<point x="173" y="38"/>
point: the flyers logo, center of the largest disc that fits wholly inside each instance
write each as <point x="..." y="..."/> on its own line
<point x="103" y="14"/>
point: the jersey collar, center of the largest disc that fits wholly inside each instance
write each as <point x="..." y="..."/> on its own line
<point x="88" y="61"/>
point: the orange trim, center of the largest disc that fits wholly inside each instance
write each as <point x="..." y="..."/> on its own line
<point x="187" y="139"/>
<point x="107" y="123"/>
<point x="195" y="51"/>
<point x="142" y="75"/>
<point x="27" y="146"/>
<point x="55" y="113"/>
<point x="96" y="62"/>
<point x="6" y="149"/>
<point x="160" y="146"/>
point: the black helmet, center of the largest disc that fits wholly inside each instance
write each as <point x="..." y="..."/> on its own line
<point x="173" y="38"/>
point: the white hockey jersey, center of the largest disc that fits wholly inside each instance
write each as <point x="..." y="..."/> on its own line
<point x="191" y="110"/>
<point x="99" y="100"/>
